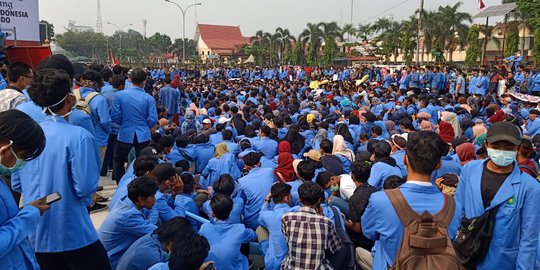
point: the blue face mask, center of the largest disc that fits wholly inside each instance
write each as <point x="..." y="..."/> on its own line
<point x="4" y="170"/>
<point x="501" y="158"/>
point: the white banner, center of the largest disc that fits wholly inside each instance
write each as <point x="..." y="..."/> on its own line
<point x="22" y="15"/>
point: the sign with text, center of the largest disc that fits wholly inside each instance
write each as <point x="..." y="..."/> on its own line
<point x="22" y="15"/>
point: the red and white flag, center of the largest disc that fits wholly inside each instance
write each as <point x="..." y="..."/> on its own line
<point x="481" y="4"/>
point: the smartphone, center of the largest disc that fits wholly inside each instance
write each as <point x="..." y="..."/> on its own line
<point x="210" y="267"/>
<point x="51" y="198"/>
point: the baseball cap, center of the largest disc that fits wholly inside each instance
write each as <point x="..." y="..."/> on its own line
<point x="207" y="121"/>
<point x="313" y="155"/>
<point x="149" y="151"/>
<point x="504" y="131"/>
<point x="223" y="120"/>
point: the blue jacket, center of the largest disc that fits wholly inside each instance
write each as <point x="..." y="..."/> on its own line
<point x="483" y="85"/>
<point x="236" y="213"/>
<point x="101" y="117"/>
<point x="267" y="146"/>
<point x="533" y="127"/>
<point x="135" y="111"/>
<point x="414" y="80"/>
<point x="448" y="165"/>
<point x="398" y="156"/>
<point x="143" y="254"/>
<point x="515" y="236"/>
<point x="225" y="240"/>
<point x="253" y="189"/>
<point x="275" y="248"/>
<point x="169" y="97"/>
<point x="203" y="153"/>
<point x="438" y="80"/>
<point x="226" y="164"/>
<point x="167" y="207"/>
<point x="380" y="172"/>
<point x="108" y="92"/>
<point x="70" y="166"/>
<point x="381" y="223"/>
<point x="124" y="225"/>
<point x="15" y="249"/>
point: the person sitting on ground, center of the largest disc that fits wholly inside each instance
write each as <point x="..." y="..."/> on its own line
<point x="170" y="184"/>
<point x="309" y="228"/>
<point x="130" y="219"/>
<point x="273" y="243"/>
<point x="188" y="253"/>
<point x="156" y="246"/>
<point x="384" y="167"/>
<point x="225" y="238"/>
<point x="226" y="186"/>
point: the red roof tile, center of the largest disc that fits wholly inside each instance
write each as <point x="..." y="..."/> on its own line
<point x="222" y="36"/>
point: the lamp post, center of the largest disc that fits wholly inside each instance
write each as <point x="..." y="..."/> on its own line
<point x="120" y="29"/>
<point x="183" y="26"/>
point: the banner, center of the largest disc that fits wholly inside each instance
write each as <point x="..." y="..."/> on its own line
<point x="22" y="15"/>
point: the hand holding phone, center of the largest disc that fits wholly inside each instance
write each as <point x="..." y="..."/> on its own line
<point x="51" y="198"/>
<point x="208" y="266"/>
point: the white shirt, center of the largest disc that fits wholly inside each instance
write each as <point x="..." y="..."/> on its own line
<point x="346" y="186"/>
<point x="9" y="99"/>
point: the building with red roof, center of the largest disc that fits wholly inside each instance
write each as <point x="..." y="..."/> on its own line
<point x="218" y="41"/>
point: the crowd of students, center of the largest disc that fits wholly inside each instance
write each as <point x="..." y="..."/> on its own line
<point x="314" y="168"/>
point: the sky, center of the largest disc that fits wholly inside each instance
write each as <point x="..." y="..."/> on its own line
<point x="250" y="15"/>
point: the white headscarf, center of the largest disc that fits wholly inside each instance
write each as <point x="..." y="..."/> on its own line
<point x="340" y="147"/>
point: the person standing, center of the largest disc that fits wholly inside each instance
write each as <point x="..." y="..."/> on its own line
<point x="497" y="184"/>
<point x="21" y="139"/>
<point x="65" y="237"/>
<point x="19" y="76"/>
<point x="117" y="84"/>
<point x="135" y="112"/>
<point x="169" y="97"/>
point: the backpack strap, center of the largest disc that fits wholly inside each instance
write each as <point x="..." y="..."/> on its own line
<point x="77" y="93"/>
<point x="337" y="220"/>
<point x="185" y="155"/>
<point x="90" y="96"/>
<point x="447" y="212"/>
<point x="403" y="210"/>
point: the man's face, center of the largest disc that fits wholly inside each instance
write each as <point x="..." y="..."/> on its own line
<point x="206" y="126"/>
<point x="147" y="203"/>
<point x="533" y="116"/>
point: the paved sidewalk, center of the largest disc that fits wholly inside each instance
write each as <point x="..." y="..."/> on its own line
<point x="109" y="187"/>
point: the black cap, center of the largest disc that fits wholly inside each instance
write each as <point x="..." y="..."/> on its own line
<point x="535" y="112"/>
<point x="504" y="131"/>
<point x="149" y="151"/>
<point x="58" y="61"/>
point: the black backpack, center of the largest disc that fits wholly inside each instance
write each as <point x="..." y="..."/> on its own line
<point x="345" y="258"/>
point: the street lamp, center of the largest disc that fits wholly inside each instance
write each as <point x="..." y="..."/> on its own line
<point x="183" y="26"/>
<point x="120" y="29"/>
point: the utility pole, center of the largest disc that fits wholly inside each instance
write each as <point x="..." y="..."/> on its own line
<point x="120" y="31"/>
<point x="352" y="12"/>
<point x="420" y="36"/>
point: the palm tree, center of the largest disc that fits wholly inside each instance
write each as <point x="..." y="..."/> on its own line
<point x="364" y="31"/>
<point x="331" y="33"/>
<point x="408" y="38"/>
<point x="488" y="37"/>
<point x="453" y="25"/>
<point x="349" y="30"/>
<point x="283" y="40"/>
<point x="311" y="37"/>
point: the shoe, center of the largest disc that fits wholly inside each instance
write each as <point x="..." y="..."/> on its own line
<point x="99" y="188"/>
<point x="97" y="208"/>
<point x="101" y="199"/>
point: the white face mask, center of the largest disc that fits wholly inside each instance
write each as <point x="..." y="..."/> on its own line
<point x="59" y="102"/>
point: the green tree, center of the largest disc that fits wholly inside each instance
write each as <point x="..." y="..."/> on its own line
<point x="298" y="55"/>
<point x="177" y="47"/>
<point x="531" y="11"/>
<point x="311" y="37"/>
<point x="473" y="51"/>
<point x="86" y="44"/>
<point x="512" y="39"/>
<point x="158" y="43"/>
<point x="349" y="30"/>
<point x="284" y="39"/>
<point x="330" y="33"/>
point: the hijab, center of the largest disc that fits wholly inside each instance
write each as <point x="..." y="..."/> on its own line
<point x="452" y="119"/>
<point x="479" y="130"/>
<point x="390" y="126"/>
<point x="466" y="152"/>
<point x="321" y="135"/>
<point x="221" y="149"/>
<point x="340" y="147"/>
<point x="194" y="108"/>
<point x="284" y="147"/>
<point x="446" y="132"/>
<point x="284" y="172"/>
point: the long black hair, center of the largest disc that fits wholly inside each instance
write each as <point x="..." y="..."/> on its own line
<point x="296" y="140"/>
<point x="343" y="130"/>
